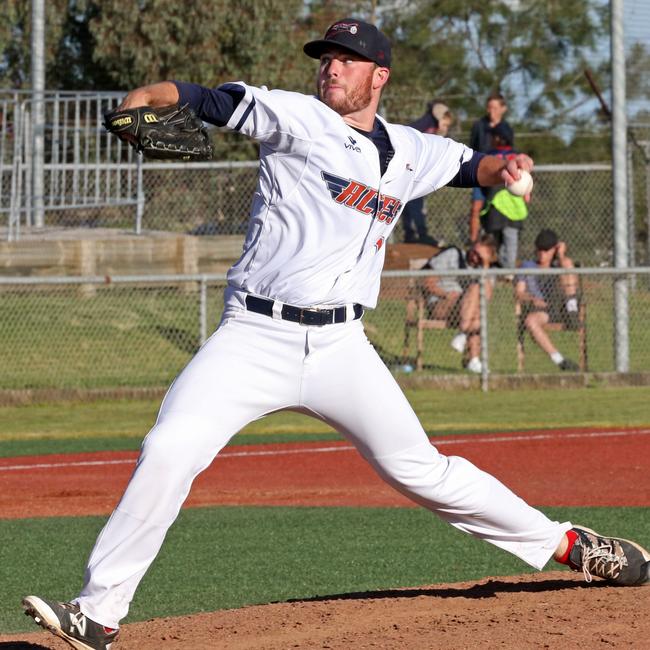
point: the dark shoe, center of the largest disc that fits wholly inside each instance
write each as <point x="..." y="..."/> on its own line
<point x="428" y="240"/>
<point x="65" y="620"/>
<point x="569" y="365"/>
<point x="616" y="560"/>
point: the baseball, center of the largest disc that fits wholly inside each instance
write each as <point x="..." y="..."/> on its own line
<point x="523" y="186"/>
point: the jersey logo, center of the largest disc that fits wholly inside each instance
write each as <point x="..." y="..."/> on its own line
<point x="352" y="144"/>
<point x="362" y="198"/>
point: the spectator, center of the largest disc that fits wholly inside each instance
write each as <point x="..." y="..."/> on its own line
<point x="457" y="301"/>
<point x="549" y="299"/>
<point x="481" y="140"/>
<point x="503" y="214"/>
<point x="436" y="119"/>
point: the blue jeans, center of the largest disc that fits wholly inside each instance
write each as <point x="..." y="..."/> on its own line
<point x="414" y="220"/>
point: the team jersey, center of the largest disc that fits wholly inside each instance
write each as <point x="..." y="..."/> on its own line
<point x="322" y="210"/>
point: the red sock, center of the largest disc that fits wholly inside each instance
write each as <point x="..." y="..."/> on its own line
<point x="572" y="536"/>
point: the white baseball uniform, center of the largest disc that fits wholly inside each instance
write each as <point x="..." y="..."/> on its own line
<point x="320" y="217"/>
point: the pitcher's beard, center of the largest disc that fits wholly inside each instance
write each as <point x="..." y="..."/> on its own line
<point x="352" y="101"/>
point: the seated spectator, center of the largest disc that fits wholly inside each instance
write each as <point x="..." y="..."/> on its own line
<point x="436" y="119"/>
<point x="549" y="299"/>
<point x="456" y="300"/>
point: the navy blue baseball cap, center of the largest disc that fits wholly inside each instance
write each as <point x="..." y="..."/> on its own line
<point x="356" y="36"/>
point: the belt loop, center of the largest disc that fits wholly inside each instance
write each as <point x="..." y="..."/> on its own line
<point x="349" y="313"/>
<point x="277" y="310"/>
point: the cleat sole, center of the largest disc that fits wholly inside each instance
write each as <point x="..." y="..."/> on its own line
<point x="43" y="615"/>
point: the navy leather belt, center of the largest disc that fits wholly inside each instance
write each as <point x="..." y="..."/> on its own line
<point x="300" y="315"/>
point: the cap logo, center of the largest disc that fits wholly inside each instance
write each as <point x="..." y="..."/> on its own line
<point x="353" y="28"/>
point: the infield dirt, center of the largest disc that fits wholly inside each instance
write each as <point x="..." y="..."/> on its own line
<point x="554" y="610"/>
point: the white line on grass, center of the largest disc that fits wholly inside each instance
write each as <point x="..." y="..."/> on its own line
<point x="323" y="450"/>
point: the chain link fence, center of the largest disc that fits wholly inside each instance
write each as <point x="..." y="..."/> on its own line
<point x="92" y="332"/>
<point x="214" y="199"/>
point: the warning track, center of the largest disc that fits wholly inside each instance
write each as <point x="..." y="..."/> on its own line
<point x="570" y="467"/>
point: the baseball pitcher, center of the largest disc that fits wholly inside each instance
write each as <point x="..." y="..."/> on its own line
<point x="333" y="179"/>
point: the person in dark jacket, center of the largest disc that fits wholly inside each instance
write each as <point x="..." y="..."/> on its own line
<point x="481" y="140"/>
<point x="436" y="119"/>
<point x="503" y="213"/>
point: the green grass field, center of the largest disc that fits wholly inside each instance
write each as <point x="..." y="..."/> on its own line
<point x="222" y="557"/>
<point x="217" y="558"/>
<point x="90" y="426"/>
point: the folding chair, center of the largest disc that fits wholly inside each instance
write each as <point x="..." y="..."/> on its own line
<point x="417" y="315"/>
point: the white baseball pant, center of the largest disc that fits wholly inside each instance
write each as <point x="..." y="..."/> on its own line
<point x="254" y="365"/>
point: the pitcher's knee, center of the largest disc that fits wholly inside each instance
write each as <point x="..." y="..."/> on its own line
<point x="173" y="449"/>
<point x="411" y="468"/>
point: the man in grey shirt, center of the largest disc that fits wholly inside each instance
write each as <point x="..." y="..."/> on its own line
<point x="456" y="300"/>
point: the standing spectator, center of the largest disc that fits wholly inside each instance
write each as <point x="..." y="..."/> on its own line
<point x="436" y="119"/>
<point x="481" y="140"/>
<point x="504" y="213"/>
<point x="548" y="299"/>
<point x="457" y="300"/>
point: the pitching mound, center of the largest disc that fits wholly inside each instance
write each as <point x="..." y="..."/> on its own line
<point x="549" y="610"/>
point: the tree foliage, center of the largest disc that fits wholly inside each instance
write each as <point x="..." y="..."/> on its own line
<point x="207" y="42"/>
<point x="15" y="40"/>
<point x="533" y="51"/>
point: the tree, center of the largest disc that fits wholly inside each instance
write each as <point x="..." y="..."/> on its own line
<point x="15" y="39"/>
<point x="207" y="42"/>
<point x="533" y="51"/>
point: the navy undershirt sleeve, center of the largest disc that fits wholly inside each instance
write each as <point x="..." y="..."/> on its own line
<point x="213" y="105"/>
<point x="467" y="175"/>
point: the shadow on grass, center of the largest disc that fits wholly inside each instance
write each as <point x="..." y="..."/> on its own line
<point x="488" y="590"/>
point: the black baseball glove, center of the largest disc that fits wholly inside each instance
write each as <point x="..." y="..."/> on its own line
<point x="167" y="132"/>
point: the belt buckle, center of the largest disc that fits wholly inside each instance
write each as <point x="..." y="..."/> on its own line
<point x="311" y="314"/>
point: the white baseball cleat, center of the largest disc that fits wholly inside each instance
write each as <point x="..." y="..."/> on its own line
<point x="65" y="620"/>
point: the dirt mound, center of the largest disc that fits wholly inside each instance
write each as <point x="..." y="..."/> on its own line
<point x="549" y="610"/>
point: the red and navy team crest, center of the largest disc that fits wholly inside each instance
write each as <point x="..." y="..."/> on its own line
<point x="362" y="198"/>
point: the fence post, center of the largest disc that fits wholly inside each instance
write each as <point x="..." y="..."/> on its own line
<point x="203" y="311"/>
<point x="37" y="142"/>
<point x="485" y="371"/>
<point x="139" y="205"/>
<point x="16" y="197"/>
<point x="619" y="151"/>
<point x="631" y="211"/>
